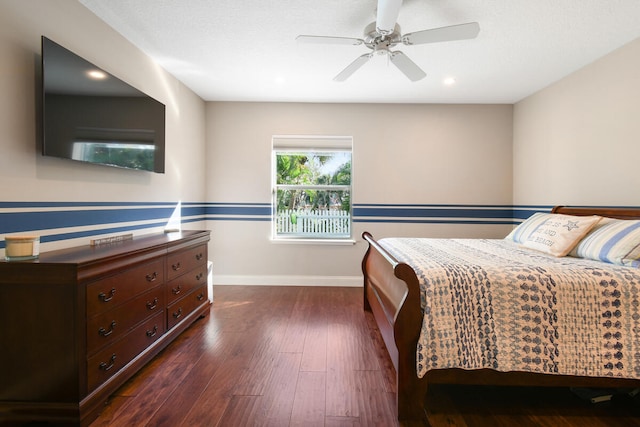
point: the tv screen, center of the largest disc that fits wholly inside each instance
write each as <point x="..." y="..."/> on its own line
<point x="91" y="116"/>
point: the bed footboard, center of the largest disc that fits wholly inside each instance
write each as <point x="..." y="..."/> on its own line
<point x="392" y="294"/>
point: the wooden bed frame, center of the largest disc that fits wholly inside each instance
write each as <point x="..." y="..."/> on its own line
<point x="392" y="294"/>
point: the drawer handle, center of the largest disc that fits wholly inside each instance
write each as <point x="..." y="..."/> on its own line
<point x="152" y="277"/>
<point x="152" y="333"/>
<point x="176" y="290"/>
<point x="104" y="298"/>
<point x="200" y="296"/>
<point x="104" y="366"/>
<point x="152" y="305"/>
<point x="177" y="314"/>
<point x="177" y="266"/>
<point x="199" y="256"/>
<point x="199" y="276"/>
<point x="105" y="333"/>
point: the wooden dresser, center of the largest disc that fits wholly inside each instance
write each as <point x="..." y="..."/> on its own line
<point x="77" y="323"/>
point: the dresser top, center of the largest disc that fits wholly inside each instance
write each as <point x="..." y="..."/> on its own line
<point x="88" y="261"/>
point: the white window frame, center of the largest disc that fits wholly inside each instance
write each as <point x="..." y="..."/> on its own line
<point x="315" y="144"/>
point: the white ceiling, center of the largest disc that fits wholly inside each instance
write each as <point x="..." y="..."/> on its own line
<point x="245" y="50"/>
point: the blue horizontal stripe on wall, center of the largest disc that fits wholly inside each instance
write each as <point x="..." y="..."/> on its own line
<point x="13" y="205"/>
<point x="55" y="221"/>
<point x="17" y="221"/>
<point x="396" y="213"/>
<point x="89" y="233"/>
<point x="238" y="212"/>
<point x="432" y="212"/>
<point x="12" y="222"/>
<point x="241" y="209"/>
<point x="111" y="230"/>
<point x="443" y="214"/>
<point x="520" y="213"/>
<point x="235" y="218"/>
<point x="439" y="221"/>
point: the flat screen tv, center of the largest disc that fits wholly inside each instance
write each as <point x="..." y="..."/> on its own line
<point x="91" y="116"/>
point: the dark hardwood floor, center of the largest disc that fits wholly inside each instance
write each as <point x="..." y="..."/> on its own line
<point x="300" y="356"/>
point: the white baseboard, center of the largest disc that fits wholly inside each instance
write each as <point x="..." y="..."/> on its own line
<point x="342" y="281"/>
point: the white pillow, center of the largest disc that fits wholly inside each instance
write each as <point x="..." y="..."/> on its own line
<point x="558" y="234"/>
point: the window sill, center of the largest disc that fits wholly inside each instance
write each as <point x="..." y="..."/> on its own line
<point x="337" y="242"/>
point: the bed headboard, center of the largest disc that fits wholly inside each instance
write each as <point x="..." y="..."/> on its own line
<point x="621" y="213"/>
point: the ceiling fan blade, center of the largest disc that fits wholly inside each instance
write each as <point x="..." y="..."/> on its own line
<point x="353" y="67"/>
<point x="443" y="34"/>
<point x="387" y="15"/>
<point x="407" y="66"/>
<point x="329" y="40"/>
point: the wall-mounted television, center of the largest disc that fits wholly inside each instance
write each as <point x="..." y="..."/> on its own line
<point x="89" y="115"/>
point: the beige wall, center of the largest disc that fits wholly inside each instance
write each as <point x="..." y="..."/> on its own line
<point x="423" y="154"/>
<point x="577" y="142"/>
<point x="27" y="176"/>
<point x="402" y="154"/>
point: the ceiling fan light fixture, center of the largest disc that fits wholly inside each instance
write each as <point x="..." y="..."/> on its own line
<point x="381" y="49"/>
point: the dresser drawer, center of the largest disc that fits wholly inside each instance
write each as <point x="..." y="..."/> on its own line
<point x="109" y="326"/>
<point x="183" y="261"/>
<point x="111" y="291"/>
<point x="108" y="361"/>
<point x="179" y="287"/>
<point x="183" y="307"/>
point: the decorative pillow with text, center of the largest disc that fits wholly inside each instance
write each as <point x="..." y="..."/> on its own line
<point x="558" y="234"/>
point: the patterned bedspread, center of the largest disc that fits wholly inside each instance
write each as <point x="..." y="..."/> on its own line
<point x="492" y="304"/>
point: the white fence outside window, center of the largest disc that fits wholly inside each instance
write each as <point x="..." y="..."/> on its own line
<point x="313" y="223"/>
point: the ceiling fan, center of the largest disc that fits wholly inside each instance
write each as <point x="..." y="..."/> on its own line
<point x="384" y="34"/>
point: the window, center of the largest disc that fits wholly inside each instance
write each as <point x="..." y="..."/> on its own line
<point x="311" y="188"/>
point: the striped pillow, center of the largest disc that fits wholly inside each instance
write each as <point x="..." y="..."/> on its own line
<point x="617" y="242"/>
<point x="604" y="221"/>
<point x="522" y="232"/>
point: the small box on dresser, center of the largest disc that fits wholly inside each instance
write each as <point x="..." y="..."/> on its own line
<point x="77" y="323"/>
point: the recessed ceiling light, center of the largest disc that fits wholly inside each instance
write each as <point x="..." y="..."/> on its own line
<point x="97" y="74"/>
<point x="449" y="81"/>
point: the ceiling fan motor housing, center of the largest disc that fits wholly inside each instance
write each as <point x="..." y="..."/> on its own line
<point x="380" y="43"/>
